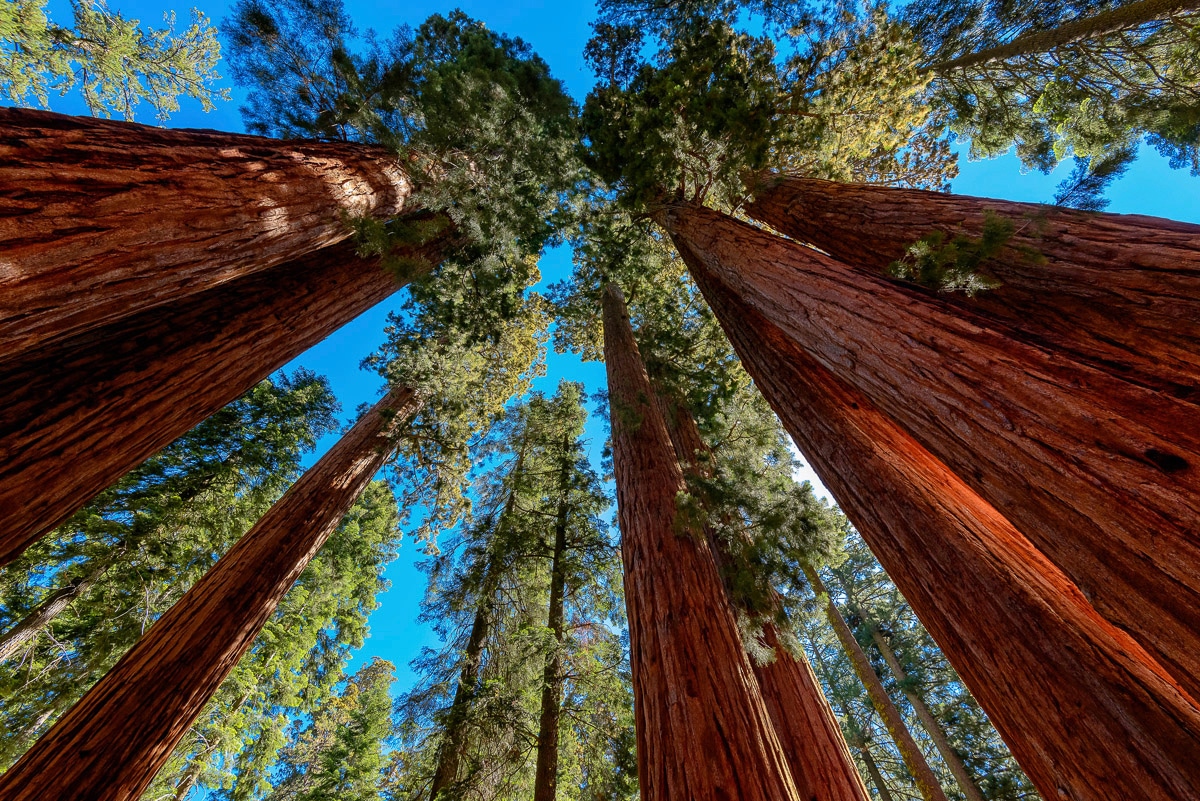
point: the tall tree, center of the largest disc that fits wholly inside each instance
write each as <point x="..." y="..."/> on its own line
<point x="193" y="647"/>
<point x="1116" y="292"/>
<point x="115" y="61"/>
<point x="1014" y="452"/>
<point x="682" y="630"/>
<point x="1018" y="630"/>
<point x="106" y="400"/>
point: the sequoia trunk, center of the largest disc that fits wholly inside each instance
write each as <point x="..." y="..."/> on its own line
<point x="1026" y="642"/>
<point x="703" y="730"/>
<point x="101" y="219"/>
<point x="1115" y="20"/>
<point x="77" y="415"/>
<point x="812" y="740"/>
<point x="110" y="744"/>
<point x="1101" y="475"/>
<point x="1118" y="292"/>
<point x="924" y="777"/>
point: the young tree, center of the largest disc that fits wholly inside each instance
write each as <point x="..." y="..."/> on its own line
<point x="115" y="61"/>
<point x="189" y="652"/>
<point x="1017" y="630"/>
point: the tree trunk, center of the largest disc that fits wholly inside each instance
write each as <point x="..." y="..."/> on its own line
<point x="101" y="219"/>
<point x="111" y="743"/>
<point x="1102" y="476"/>
<point x="545" y="782"/>
<point x="78" y="415"/>
<point x="1086" y="711"/>
<point x="812" y="740"/>
<point x="876" y="776"/>
<point x="966" y="782"/>
<point x="703" y="730"/>
<point x="1120" y="293"/>
<point x="454" y="744"/>
<point x="44" y="613"/>
<point x="924" y="777"/>
<point x="1122" y="18"/>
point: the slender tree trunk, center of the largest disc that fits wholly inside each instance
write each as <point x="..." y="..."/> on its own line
<point x="817" y="753"/>
<point x="966" y="781"/>
<point x="1122" y="18"/>
<point x="44" y="613"/>
<point x="78" y="415"/>
<point x="111" y="743"/>
<point x="453" y="747"/>
<point x="924" y="777"/>
<point x="1025" y="641"/>
<point x="101" y="219"/>
<point x="876" y="776"/>
<point x="1118" y="292"/>
<point x="1102" y="476"/>
<point x="703" y="730"/>
<point x="545" y="782"/>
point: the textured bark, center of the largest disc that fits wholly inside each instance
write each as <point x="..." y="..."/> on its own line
<point x="1101" y="475"/>
<point x="1123" y="18"/>
<point x="703" y="730"/>
<point x="1086" y="711"/>
<point x="1118" y="292"/>
<point x="924" y="777"/>
<point x="812" y="740"/>
<point x="101" y="219"/>
<point x="966" y="782"/>
<point x="44" y="614"/>
<point x="111" y="743"/>
<point x="545" y="779"/>
<point x="78" y="415"/>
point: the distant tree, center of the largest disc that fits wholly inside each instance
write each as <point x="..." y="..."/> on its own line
<point x="115" y="62"/>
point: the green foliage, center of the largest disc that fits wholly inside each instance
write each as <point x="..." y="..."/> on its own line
<point x="141" y="544"/>
<point x="1085" y="187"/>
<point x="954" y="265"/>
<point x="1092" y="97"/>
<point x="116" y="63"/>
<point x="487" y="600"/>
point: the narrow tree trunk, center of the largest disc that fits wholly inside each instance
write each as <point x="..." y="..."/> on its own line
<point x="1118" y="292"/>
<point x="703" y="730"/>
<point x="1102" y="476"/>
<point x="78" y="415"/>
<point x="876" y="776"/>
<point x="545" y="782"/>
<point x="111" y="743"/>
<point x="966" y="781"/>
<point x="924" y="777"/>
<point x="101" y="219"/>
<point x="454" y="744"/>
<point x="44" y="613"/>
<point x="1026" y="642"/>
<point x="817" y="753"/>
<point x="1122" y="18"/>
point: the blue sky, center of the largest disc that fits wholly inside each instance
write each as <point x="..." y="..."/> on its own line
<point x="557" y="31"/>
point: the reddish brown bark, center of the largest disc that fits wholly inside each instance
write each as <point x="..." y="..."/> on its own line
<point x="703" y="730"/>
<point x="1118" y="292"/>
<point x="1086" y="711"/>
<point x="924" y="777"/>
<point x="101" y="219"/>
<point x="77" y="415"/>
<point x="1101" y="475"/>
<point x="111" y="743"/>
<point x="812" y="740"/>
